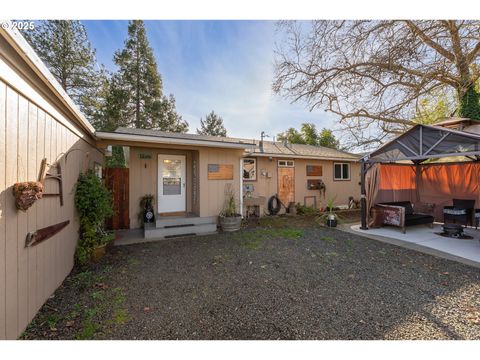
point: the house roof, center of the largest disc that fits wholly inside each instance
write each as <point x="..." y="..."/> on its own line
<point x="24" y="50"/>
<point x="280" y="149"/>
<point x="252" y="147"/>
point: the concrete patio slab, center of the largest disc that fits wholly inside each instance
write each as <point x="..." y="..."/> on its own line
<point x="427" y="240"/>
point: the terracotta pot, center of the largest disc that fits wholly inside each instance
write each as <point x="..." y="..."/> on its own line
<point x="231" y="223"/>
<point x="99" y="252"/>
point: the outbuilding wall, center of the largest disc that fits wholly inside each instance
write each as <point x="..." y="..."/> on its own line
<point x="33" y="126"/>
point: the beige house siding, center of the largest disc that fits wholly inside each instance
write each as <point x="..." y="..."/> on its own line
<point x="267" y="182"/>
<point x="144" y="175"/>
<point x="212" y="192"/>
<point x="33" y="127"/>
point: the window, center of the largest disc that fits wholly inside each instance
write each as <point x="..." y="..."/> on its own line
<point x="341" y="171"/>
<point x="250" y="169"/>
<point x="286" y="163"/>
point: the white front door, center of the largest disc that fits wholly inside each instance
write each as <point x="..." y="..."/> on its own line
<point x="171" y="183"/>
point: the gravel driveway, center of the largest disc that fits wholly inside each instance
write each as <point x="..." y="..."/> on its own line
<point x="285" y="279"/>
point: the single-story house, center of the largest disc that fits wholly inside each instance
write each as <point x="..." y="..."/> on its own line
<point x="188" y="173"/>
<point x="38" y="121"/>
<point x="43" y="136"/>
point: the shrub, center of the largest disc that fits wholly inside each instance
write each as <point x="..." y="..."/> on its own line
<point x="306" y="210"/>
<point x="93" y="202"/>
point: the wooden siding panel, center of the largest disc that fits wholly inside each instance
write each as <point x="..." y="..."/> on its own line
<point x="41" y="268"/>
<point x="28" y="276"/>
<point x="22" y="223"/>
<point x="11" y="249"/>
<point x="32" y="174"/>
<point x="3" y="253"/>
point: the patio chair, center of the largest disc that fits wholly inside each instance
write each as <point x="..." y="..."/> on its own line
<point x="461" y="212"/>
<point x="402" y="214"/>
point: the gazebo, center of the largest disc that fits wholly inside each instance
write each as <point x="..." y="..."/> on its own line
<point x="428" y="163"/>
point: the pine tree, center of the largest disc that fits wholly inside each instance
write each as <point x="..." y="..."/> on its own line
<point x="213" y="125"/>
<point x="64" y="47"/>
<point x="145" y="107"/>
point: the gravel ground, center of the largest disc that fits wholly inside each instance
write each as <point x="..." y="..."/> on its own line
<point x="284" y="279"/>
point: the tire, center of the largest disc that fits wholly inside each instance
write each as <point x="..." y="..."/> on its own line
<point x="274" y="210"/>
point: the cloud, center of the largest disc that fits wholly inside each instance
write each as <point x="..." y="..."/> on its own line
<point x="225" y="66"/>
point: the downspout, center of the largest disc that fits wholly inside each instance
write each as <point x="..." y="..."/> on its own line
<point x="363" y="194"/>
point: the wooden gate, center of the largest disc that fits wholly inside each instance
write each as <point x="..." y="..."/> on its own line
<point x="286" y="185"/>
<point x="117" y="181"/>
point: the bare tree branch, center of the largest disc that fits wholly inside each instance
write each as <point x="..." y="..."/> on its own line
<point x="371" y="74"/>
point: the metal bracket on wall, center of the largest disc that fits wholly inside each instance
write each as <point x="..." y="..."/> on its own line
<point x="44" y="175"/>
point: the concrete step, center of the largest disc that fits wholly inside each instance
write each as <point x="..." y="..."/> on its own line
<point x="183" y="221"/>
<point x="182" y="230"/>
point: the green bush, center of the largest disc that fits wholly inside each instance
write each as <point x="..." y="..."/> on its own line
<point x="93" y="202"/>
<point x="306" y="210"/>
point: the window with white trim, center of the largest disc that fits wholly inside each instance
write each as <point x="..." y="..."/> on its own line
<point x="341" y="171"/>
<point x="286" y="163"/>
<point x="250" y="169"/>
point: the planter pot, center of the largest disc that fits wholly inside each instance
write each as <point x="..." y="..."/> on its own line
<point x="292" y="209"/>
<point x="148" y="215"/>
<point x="99" y="252"/>
<point x="332" y="220"/>
<point x="231" y="223"/>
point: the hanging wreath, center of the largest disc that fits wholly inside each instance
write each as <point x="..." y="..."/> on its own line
<point x="26" y="193"/>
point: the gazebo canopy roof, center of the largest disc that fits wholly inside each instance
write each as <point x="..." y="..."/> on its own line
<point x="424" y="142"/>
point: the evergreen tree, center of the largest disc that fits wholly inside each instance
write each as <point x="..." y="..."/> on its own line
<point x="64" y="47"/>
<point x="292" y="136"/>
<point x="327" y="139"/>
<point x="213" y="125"/>
<point x="145" y="107"/>
<point x="309" y="135"/>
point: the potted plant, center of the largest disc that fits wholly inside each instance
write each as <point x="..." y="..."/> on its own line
<point x="93" y="202"/>
<point x="329" y="216"/>
<point x="230" y="219"/>
<point x="147" y="214"/>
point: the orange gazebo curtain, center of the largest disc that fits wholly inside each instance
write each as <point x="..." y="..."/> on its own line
<point x="437" y="183"/>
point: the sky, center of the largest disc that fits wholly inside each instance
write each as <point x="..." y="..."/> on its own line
<point x="225" y="66"/>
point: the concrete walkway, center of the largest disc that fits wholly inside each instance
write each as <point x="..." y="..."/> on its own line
<point x="427" y="240"/>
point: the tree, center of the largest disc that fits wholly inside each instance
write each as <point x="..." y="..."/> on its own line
<point x="213" y="125"/>
<point x="111" y="101"/>
<point x="327" y="139"/>
<point x="145" y="106"/>
<point x="292" y="136"/>
<point x="309" y="135"/>
<point x="373" y="73"/>
<point x="429" y="111"/>
<point x="64" y="47"/>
